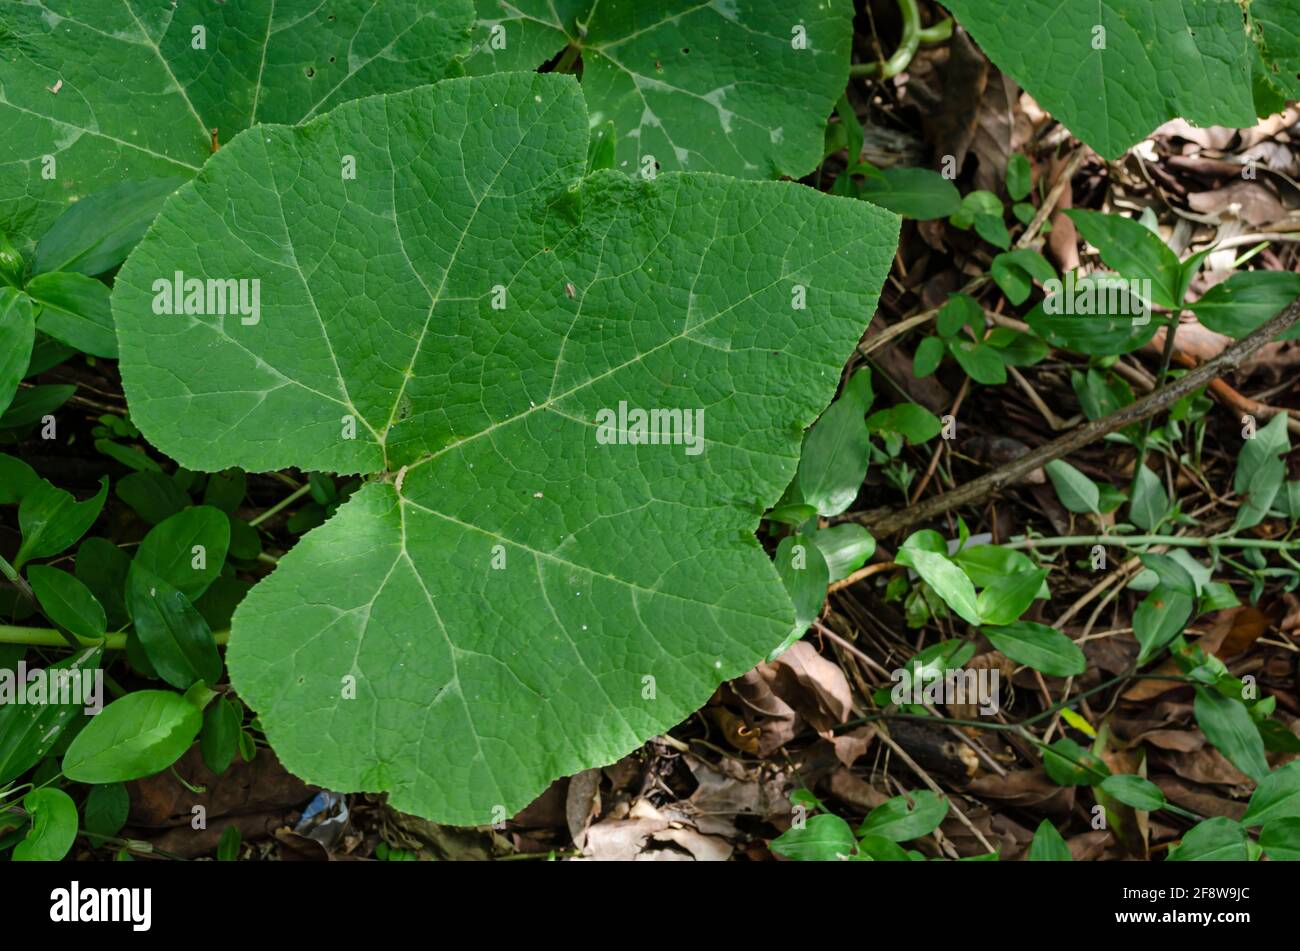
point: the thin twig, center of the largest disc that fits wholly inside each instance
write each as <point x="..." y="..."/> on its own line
<point x="1084" y="435"/>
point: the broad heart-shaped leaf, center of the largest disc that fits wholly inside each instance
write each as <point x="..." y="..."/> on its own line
<point x="1113" y="70"/>
<point x="742" y="87"/>
<point x="97" y="92"/>
<point x="497" y="599"/>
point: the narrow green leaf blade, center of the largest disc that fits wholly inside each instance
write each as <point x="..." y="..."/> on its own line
<point x="1227" y="725"/>
<point x="1039" y="646"/>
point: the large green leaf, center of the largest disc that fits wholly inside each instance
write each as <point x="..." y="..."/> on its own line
<point x="1276" y="29"/>
<point x="117" y="90"/>
<point x="498" y="596"/>
<point x="736" y="86"/>
<point x="1113" y="70"/>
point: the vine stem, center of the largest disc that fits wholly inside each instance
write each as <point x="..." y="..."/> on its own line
<point x="10" y="572"/>
<point x="280" y="506"/>
<point x="47" y="637"/>
<point x="986" y="485"/>
<point x="1166" y="357"/>
<point x="1132" y="541"/>
<point x="568" y="59"/>
<point x="913" y="36"/>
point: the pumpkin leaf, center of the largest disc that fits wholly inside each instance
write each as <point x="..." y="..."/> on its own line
<point x="528" y="585"/>
<point x="738" y="88"/>
<point x="1103" y="68"/>
<point x="139" y="88"/>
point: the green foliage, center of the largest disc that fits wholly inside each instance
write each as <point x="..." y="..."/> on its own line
<point x="1214" y="840"/>
<point x="1135" y="791"/>
<point x="505" y="263"/>
<point x="142" y="89"/>
<point x="27" y="735"/>
<point x="1104" y="69"/>
<point x="422" y="535"/>
<point x="136" y="735"/>
<point x="906" y="817"/>
<point x="742" y="89"/>
<point x="53" y="817"/>
<point x="826" y="837"/>
<point x="1048" y="846"/>
<point x="1039" y="646"/>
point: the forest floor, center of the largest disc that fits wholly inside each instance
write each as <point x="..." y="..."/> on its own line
<point x="718" y="786"/>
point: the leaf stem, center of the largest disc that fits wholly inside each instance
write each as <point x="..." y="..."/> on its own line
<point x="1166" y="357"/>
<point x="1132" y="541"/>
<point x="10" y="572"/>
<point x="280" y="506"/>
<point x="913" y="36"/>
<point x="568" y="59"/>
<point x="1083" y="435"/>
<point x="47" y="637"/>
